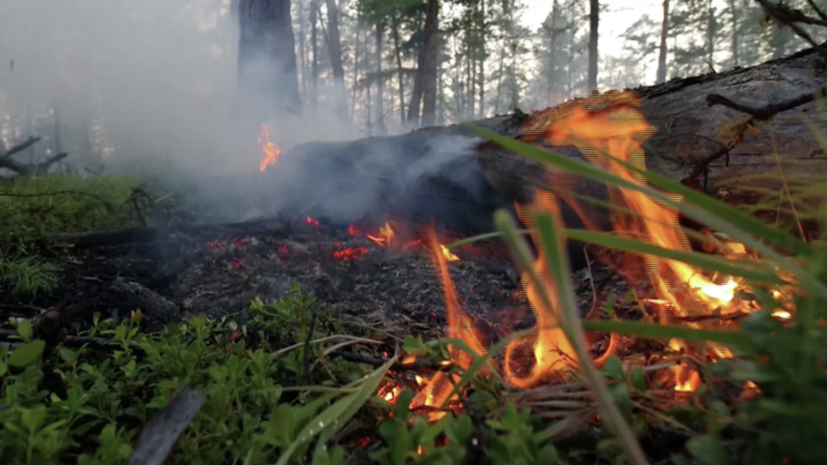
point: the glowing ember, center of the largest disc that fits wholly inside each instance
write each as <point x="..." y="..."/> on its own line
<point x="350" y="253"/>
<point x="270" y="150"/>
<point x="311" y="221"/>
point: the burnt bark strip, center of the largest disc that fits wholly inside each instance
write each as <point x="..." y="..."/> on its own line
<point x="267" y="67"/>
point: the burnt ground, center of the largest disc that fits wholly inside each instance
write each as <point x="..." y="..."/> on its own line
<point x="217" y="271"/>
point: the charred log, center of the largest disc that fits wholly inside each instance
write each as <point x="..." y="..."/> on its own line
<point x="450" y="176"/>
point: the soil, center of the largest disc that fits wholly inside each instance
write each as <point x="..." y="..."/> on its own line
<point x="219" y="271"/>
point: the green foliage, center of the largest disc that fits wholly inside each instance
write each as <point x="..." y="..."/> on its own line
<point x="25" y="275"/>
<point x="36" y="206"/>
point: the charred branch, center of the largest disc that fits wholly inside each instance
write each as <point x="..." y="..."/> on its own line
<point x="150" y="303"/>
<point x="763" y="113"/>
<point x="24" y="169"/>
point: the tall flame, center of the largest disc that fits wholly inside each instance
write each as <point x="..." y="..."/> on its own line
<point x="610" y="123"/>
<point x="270" y="150"/>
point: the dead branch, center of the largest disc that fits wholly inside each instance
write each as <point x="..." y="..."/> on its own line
<point x="22" y="146"/>
<point x="24" y="169"/>
<point x="164" y="429"/>
<point x="757" y="114"/>
<point x="791" y="18"/>
<point x="150" y="303"/>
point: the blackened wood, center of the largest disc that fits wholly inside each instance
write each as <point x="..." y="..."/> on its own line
<point x="163" y="430"/>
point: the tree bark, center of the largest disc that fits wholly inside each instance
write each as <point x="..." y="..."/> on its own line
<point x="314" y="48"/>
<point x="735" y="32"/>
<point x="429" y="62"/>
<point x="594" y="15"/>
<point x="664" y="34"/>
<point x="400" y="71"/>
<point x="335" y="47"/>
<point x="380" y="80"/>
<point x="266" y="54"/>
<point x="436" y="171"/>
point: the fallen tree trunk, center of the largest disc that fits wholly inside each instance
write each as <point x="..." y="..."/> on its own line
<point x="439" y="173"/>
<point x="24" y="169"/>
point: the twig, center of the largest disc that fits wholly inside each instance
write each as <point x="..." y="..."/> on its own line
<point x="307" y="340"/>
<point x="163" y="430"/>
<point x="786" y="16"/>
<point x="756" y="114"/>
<point x="377" y="362"/>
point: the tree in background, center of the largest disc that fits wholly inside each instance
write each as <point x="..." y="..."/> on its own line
<point x="266" y="53"/>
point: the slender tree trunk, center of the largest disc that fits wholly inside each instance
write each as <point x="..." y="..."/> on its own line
<point x="266" y="54"/>
<point x="552" y="75"/>
<point x="415" y="106"/>
<point x="430" y="54"/>
<point x="664" y="34"/>
<point x="594" y="15"/>
<point x="334" y="45"/>
<point x="735" y="32"/>
<point x="302" y="53"/>
<point x="711" y="30"/>
<point x="380" y="79"/>
<point x="500" y="76"/>
<point x="400" y="71"/>
<point x="314" y="48"/>
<point x="481" y="60"/>
<point x="357" y="90"/>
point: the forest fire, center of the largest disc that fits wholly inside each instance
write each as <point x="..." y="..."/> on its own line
<point x="612" y="124"/>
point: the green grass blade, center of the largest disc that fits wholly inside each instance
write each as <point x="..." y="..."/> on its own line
<point x="558" y="263"/>
<point x="744" y="269"/>
<point x="667" y="332"/>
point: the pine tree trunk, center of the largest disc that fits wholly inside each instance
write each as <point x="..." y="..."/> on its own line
<point x="267" y="56"/>
<point x="380" y="80"/>
<point x="400" y="71"/>
<point x="735" y="33"/>
<point x="594" y="15"/>
<point x="314" y="47"/>
<point x="302" y="53"/>
<point x="334" y="46"/>
<point x="430" y="57"/>
<point x="481" y="62"/>
<point x="664" y="33"/>
<point x="552" y="75"/>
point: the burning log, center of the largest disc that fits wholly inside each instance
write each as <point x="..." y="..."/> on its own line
<point x="437" y="174"/>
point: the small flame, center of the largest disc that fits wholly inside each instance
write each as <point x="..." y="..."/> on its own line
<point x="384" y="237"/>
<point x="311" y="221"/>
<point x="448" y="254"/>
<point x="350" y="253"/>
<point x="270" y="150"/>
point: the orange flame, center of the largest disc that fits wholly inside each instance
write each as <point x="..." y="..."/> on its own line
<point x="270" y="150"/>
<point x="613" y="124"/>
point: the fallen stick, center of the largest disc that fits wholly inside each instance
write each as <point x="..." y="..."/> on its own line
<point x="152" y="304"/>
<point x="164" y="429"/>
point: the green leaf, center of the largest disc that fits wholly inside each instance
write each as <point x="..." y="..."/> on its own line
<point x="332" y="419"/>
<point x="3" y="368"/>
<point x="27" y="354"/>
<point x="614" y="368"/>
<point x="414" y="345"/>
<point x="24" y="328"/>
<point x="665" y="332"/>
